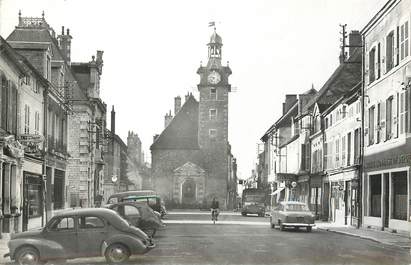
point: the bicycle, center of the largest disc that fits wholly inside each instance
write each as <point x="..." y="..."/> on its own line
<point x="214" y="215"/>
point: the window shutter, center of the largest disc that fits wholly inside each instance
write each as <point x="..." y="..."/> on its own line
<point x="407" y="99"/>
<point x="383" y="124"/>
<point x="366" y="129"/>
<point x="395" y="116"/>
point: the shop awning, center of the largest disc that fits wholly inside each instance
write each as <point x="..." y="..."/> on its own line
<point x="277" y="191"/>
<point x="286" y="177"/>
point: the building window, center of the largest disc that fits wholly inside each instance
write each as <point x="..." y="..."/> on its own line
<point x="325" y="156"/>
<point x="389" y="52"/>
<point x="388" y="119"/>
<point x="378" y="123"/>
<point x="371" y="65"/>
<point x="343" y="151"/>
<point x="378" y="60"/>
<point x="26" y="119"/>
<point x="213" y="93"/>
<point x="371" y="126"/>
<point x="337" y="153"/>
<point x="212" y="133"/>
<point x="36" y="122"/>
<point x="213" y="114"/>
<point x="326" y="123"/>
<point x="36" y="87"/>
<point x="375" y="195"/>
<point x="404" y="46"/>
<point x="357" y="146"/>
<point x="399" y="184"/>
<point x="349" y="148"/>
<point x="331" y="120"/>
<point x="404" y="105"/>
<point x="34" y="195"/>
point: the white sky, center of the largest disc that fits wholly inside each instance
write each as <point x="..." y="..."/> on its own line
<point x="152" y="50"/>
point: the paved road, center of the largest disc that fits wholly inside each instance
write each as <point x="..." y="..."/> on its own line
<point x="190" y="238"/>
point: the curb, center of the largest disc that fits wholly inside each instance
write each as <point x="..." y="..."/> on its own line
<point x="364" y="237"/>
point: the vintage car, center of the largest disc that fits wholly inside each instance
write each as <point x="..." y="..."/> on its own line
<point x="80" y="233"/>
<point x="292" y="214"/>
<point x="139" y="215"/>
<point x="151" y="198"/>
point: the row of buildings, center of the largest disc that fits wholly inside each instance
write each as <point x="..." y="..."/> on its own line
<point x="55" y="148"/>
<point x="346" y="148"/>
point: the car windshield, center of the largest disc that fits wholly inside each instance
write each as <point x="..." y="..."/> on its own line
<point x="296" y="208"/>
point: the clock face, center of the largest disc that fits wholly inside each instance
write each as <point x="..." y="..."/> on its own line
<point x="214" y="78"/>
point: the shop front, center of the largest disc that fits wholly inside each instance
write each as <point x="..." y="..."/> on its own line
<point x="11" y="154"/>
<point x="33" y="197"/>
<point x="343" y="196"/>
<point x="386" y="192"/>
<point x="316" y="195"/>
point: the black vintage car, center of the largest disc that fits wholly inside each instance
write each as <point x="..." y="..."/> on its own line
<point x="140" y="215"/>
<point x="80" y="233"/>
<point x="150" y="197"/>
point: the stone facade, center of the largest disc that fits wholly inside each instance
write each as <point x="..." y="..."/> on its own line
<point x="191" y="159"/>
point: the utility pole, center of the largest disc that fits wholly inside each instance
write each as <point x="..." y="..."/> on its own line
<point x="343" y="32"/>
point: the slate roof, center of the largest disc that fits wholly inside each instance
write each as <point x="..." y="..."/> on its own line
<point x="344" y="78"/>
<point x="23" y="38"/>
<point x="182" y="132"/>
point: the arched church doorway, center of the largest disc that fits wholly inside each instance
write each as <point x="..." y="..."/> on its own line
<point x="188" y="192"/>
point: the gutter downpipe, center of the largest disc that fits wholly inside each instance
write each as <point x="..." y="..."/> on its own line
<point x="362" y="143"/>
<point x="45" y="150"/>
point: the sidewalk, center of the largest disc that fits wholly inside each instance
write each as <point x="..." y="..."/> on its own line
<point x="383" y="237"/>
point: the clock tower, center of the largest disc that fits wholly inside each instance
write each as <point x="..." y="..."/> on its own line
<point x="214" y="91"/>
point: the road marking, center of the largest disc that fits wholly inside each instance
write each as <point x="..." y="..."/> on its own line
<point x="217" y="223"/>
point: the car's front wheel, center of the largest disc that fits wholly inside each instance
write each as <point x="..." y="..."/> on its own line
<point x="28" y="256"/>
<point x="281" y="225"/>
<point x="150" y="232"/>
<point x="117" y="253"/>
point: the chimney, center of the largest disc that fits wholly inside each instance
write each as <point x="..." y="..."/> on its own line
<point x="99" y="56"/>
<point x="187" y="96"/>
<point x="354" y="40"/>
<point x="177" y="105"/>
<point x="155" y="137"/>
<point x="113" y="121"/>
<point x="65" y="44"/>
<point x="167" y="119"/>
<point x="289" y="102"/>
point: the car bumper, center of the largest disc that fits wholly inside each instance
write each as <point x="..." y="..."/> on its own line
<point x="253" y="211"/>
<point x="297" y="224"/>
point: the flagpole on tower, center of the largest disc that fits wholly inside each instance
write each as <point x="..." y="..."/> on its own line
<point x="212" y="24"/>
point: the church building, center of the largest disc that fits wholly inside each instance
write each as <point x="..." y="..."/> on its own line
<point x="191" y="159"/>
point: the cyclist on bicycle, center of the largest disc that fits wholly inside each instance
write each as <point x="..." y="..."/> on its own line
<point x="214" y="208"/>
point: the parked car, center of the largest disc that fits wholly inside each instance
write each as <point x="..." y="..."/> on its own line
<point x="151" y="198"/>
<point x="139" y="215"/>
<point x="80" y="233"/>
<point x="292" y="214"/>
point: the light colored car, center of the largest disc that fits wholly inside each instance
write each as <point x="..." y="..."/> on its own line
<point x="80" y="233"/>
<point x="292" y="214"/>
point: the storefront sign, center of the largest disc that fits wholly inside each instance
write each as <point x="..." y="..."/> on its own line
<point x="31" y="142"/>
<point x="386" y="162"/>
